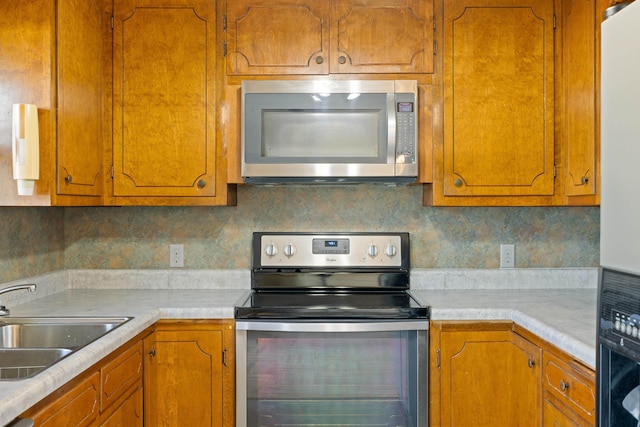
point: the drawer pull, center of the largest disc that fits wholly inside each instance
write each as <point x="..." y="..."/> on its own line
<point x="564" y="386"/>
<point x="531" y="363"/>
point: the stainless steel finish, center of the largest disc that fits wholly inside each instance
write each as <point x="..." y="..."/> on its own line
<point x="54" y="332"/>
<point x="4" y="311"/>
<point x="395" y="170"/>
<point x="22" y="422"/>
<point x="610" y="11"/>
<point x="346" y="327"/>
<point x="309" y="253"/>
<point x="422" y="358"/>
<point x="330" y="334"/>
<point x="20" y="363"/>
<point x="29" y="345"/>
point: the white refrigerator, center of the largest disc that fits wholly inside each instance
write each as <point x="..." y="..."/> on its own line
<point x="620" y="141"/>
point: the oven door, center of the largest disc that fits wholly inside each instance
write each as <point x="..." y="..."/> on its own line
<point x="618" y="387"/>
<point x="331" y="373"/>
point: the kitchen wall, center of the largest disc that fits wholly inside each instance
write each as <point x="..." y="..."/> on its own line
<point x="219" y="237"/>
<point x="31" y="241"/>
<point x="39" y="240"/>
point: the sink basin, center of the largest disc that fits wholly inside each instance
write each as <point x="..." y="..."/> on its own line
<point x="29" y="345"/>
<point x="64" y="332"/>
<point x="19" y="363"/>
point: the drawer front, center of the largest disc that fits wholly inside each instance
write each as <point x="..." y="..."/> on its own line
<point x="120" y="374"/>
<point x="573" y="386"/>
<point x="76" y="408"/>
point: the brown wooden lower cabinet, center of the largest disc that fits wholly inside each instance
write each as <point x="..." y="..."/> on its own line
<point x="107" y="394"/>
<point x="189" y="375"/>
<point x="569" y="389"/>
<point x="483" y="374"/>
<point x="500" y="374"/>
<point x="189" y="379"/>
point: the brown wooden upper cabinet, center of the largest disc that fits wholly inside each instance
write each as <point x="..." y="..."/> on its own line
<point x="520" y="104"/>
<point x="270" y="37"/>
<point x="164" y="104"/>
<point x="498" y="98"/>
<point x="52" y="57"/>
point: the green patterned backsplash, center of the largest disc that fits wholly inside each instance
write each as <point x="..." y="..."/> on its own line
<point x="39" y="240"/>
<point x="31" y="241"/>
<point x="219" y="237"/>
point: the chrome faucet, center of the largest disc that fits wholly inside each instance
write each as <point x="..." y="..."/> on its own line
<point x="4" y="311"/>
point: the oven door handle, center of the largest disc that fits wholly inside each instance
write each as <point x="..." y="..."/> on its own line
<point x="354" y="326"/>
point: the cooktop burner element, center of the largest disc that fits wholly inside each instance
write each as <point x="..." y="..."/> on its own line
<point x="331" y="275"/>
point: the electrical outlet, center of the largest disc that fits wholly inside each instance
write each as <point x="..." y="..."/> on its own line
<point x="507" y="256"/>
<point x="176" y="255"/>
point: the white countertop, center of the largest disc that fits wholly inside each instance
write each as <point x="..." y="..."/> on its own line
<point x="563" y="317"/>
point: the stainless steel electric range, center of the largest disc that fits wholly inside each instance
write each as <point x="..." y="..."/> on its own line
<point x="330" y="334"/>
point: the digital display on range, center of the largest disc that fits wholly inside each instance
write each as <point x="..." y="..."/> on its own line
<point x="330" y="246"/>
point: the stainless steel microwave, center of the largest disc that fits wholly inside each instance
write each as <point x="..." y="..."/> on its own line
<point x="329" y="131"/>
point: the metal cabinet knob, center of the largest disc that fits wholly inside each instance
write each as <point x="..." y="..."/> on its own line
<point x="319" y="60"/>
<point x="202" y="183"/>
<point x="457" y="182"/>
<point x="342" y="59"/>
<point x="152" y="352"/>
<point x="531" y="363"/>
<point x="564" y="386"/>
<point x="68" y="179"/>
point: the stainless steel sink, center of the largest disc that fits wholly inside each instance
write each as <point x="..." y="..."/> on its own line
<point x="19" y="363"/>
<point x="30" y="344"/>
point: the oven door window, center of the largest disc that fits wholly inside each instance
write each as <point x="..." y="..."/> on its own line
<point x="330" y="379"/>
<point x="316" y="128"/>
<point x="620" y="388"/>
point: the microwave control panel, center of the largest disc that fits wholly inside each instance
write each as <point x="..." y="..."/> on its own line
<point x="406" y="130"/>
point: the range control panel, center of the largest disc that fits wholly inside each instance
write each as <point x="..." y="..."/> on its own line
<point x="331" y="250"/>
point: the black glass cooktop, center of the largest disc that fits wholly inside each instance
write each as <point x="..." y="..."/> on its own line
<point x="320" y="305"/>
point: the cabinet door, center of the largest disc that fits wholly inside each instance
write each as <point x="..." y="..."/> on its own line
<point x="79" y="145"/>
<point x="499" y="98"/>
<point x="277" y="37"/>
<point x="381" y="36"/>
<point x="164" y="98"/>
<point x="489" y="378"/>
<point x="578" y="26"/>
<point x="183" y="381"/>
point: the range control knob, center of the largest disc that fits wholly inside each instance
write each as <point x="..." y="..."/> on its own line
<point x="372" y="250"/>
<point x="390" y="250"/>
<point x="289" y="250"/>
<point x="271" y="250"/>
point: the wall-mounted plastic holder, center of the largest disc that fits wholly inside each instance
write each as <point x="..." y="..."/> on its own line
<point x="25" y="147"/>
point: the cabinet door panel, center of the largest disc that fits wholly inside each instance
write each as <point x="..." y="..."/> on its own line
<point x="579" y="50"/>
<point x="277" y="37"/>
<point x="79" y="97"/>
<point x="499" y="113"/>
<point x="489" y="378"/>
<point x="381" y="36"/>
<point x="183" y="378"/>
<point x="164" y="98"/>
